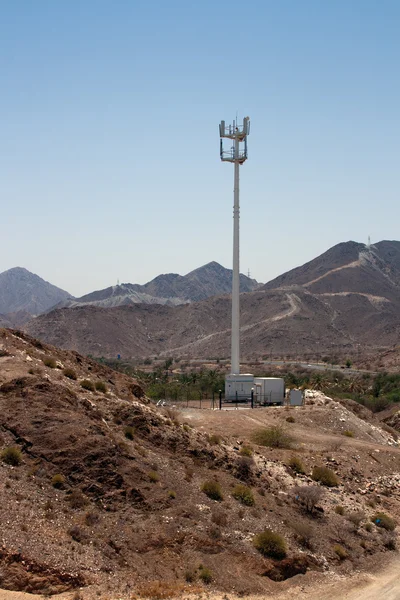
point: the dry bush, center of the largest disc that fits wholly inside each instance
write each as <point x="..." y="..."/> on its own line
<point x="246" y="451"/>
<point x="340" y="552"/>
<point x="390" y="541"/>
<point x="12" y="456"/>
<point x="129" y="432"/>
<point x="243" y="494"/>
<point x="57" y="481"/>
<point x="153" y="476"/>
<point x="50" y="362"/>
<point x="215" y="439"/>
<point x="77" y="499"/>
<point x="290" y="419"/>
<point x="189" y="472"/>
<point x="205" y="575"/>
<point x="172" y="414"/>
<point x="339" y="510"/>
<point x="219" y="518"/>
<point x="70" y="373"/>
<point x="76" y="533"/>
<point x="270" y="544"/>
<point x="308" y="496"/>
<point x="297" y="465"/>
<point x="101" y="387"/>
<point x="214" y="533"/>
<point x="348" y="433"/>
<point x="213" y="490"/>
<point x="243" y="468"/>
<point x="356" y="518"/>
<point x="88" y="385"/>
<point x="273" y="437"/>
<point x="91" y="518"/>
<point x="325" y="476"/>
<point x="383" y="520"/>
<point x="304" y="532"/>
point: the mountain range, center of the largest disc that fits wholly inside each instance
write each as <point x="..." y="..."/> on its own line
<point x="347" y="298"/>
<point x="24" y="295"/>
<point x="171" y="289"/>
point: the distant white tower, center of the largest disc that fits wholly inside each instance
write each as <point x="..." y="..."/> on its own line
<point x="236" y="154"/>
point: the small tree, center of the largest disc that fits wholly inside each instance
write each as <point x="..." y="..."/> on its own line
<point x="308" y="496"/>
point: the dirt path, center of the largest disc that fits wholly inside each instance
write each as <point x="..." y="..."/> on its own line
<point x="385" y="586"/>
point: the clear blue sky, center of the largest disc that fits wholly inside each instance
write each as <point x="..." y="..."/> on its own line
<point x="109" y="147"/>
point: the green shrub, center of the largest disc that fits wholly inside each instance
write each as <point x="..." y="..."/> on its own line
<point x="339" y="510"/>
<point x="383" y="520"/>
<point x="12" y="456"/>
<point x="270" y="544"/>
<point x="325" y="476"/>
<point x="246" y="451"/>
<point x="213" y="490"/>
<point x="129" y="432"/>
<point x="273" y="437"/>
<point x="58" y="481"/>
<point x="296" y="464"/>
<point x="87" y="385"/>
<point x="205" y="575"/>
<point x="348" y="433"/>
<point x="101" y="386"/>
<point x="70" y="373"/>
<point x="243" y="494"/>
<point x="48" y="361"/>
<point x="153" y="476"/>
<point x="340" y="551"/>
<point x="172" y="494"/>
<point x="368" y="527"/>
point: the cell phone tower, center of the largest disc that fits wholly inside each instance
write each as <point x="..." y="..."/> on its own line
<point x="236" y="154"/>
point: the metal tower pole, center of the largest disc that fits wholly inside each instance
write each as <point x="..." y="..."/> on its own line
<point x="235" y="336"/>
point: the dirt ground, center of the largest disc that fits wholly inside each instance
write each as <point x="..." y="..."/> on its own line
<point x="382" y="586"/>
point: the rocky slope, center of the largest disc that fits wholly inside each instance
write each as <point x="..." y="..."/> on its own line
<point x="349" y="267"/>
<point x="283" y="322"/>
<point x="21" y="290"/>
<point x="104" y="492"/>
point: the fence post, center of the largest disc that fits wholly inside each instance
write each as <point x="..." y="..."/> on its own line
<point x="252" y="398"/>
<point x="236" y="400"/>
<point x="220" y="399"/>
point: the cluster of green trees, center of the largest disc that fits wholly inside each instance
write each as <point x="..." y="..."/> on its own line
<point x="375" y="391"/>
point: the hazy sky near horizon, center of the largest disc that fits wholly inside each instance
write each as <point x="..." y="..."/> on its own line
<point x="109" y="145"/>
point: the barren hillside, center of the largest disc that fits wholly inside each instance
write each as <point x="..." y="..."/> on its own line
<point x="99" y="490"/>
<point x="349" y="267"/>
<point x="284" y="321"/>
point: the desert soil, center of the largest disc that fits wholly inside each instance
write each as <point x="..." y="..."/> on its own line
<point x="385" y="586"/>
